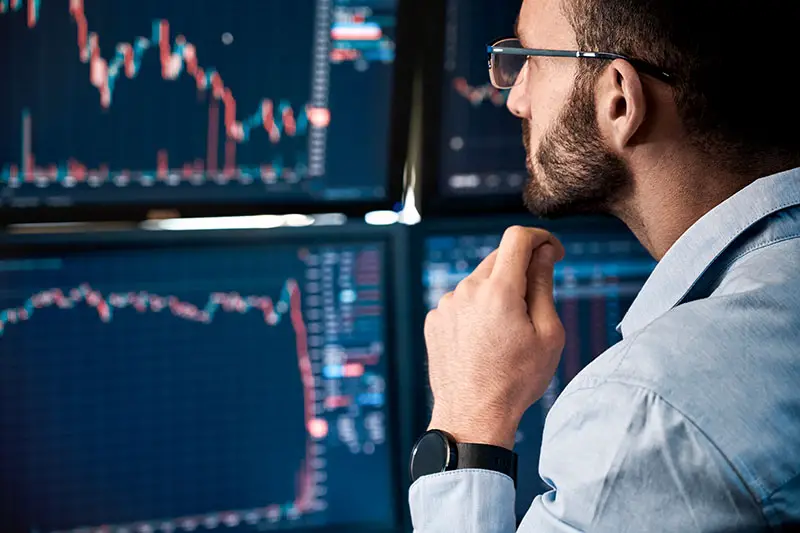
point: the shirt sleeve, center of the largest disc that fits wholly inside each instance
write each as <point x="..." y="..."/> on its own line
<point x="466" y="501"/>
<point x="619" y="459"/>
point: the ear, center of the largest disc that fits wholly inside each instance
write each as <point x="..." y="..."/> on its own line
<point x="621" y="104"/>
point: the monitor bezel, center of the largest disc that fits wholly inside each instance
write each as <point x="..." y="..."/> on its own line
<point x="397" y="302"/>
<point x="434" y="200"/>
<point x="397" y="142"/>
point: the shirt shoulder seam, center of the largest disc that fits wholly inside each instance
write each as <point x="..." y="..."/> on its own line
<point x="594" y="383"/>
<point x="643" y="387"/>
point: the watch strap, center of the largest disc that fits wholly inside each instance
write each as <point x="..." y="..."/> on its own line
<point x="488" y="457"/>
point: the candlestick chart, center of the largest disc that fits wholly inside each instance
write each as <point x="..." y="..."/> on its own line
<point x="194" y="101"/>
<point x="481" y="141"/>
<point x="161" y="390"/>
<point x="594" y="286"/>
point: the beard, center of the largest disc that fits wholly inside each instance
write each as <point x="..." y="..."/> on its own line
<point x="573" y="172"/>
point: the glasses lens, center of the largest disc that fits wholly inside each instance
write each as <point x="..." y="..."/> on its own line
<point x="506" y="67"/>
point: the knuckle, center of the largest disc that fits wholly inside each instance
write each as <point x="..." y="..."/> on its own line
<point x="444" y="300"/>
<point x="499" y="289"/>
<point x="466" y="287"/>
<point x="515" y="233"/>
<point x="552" y="333"/>
<point x="542" y="236"/>
<point x="532" y="237"/>
<point x="500" y="297"/>
<point x="490" y="290"/>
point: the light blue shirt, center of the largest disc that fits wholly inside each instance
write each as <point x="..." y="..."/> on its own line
<point x="692" y="422"/>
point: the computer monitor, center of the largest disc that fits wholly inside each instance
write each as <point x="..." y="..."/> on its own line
<point x="604" y="269"/>
<point x="199" y="105"/>
<point x="476" y="156"/>
<point x="244" y="383"/>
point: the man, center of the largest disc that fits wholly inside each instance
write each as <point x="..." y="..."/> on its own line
<point x="688" y="131"/>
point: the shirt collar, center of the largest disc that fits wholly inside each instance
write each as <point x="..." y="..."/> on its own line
<point x="697" y="249"/>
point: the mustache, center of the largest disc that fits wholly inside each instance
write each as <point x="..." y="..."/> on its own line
<point x="526" y="134"/>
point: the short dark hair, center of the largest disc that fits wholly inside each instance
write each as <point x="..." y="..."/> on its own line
<point x="747" y="120"/>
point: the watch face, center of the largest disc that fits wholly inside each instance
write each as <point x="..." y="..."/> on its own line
<point x="431" y="455"/>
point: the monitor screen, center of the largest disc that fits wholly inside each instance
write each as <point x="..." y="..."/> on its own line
<point x="594" y="286"/>
<point x="481" y="141"/>
<point x="178" y="388"/>
<point x="195" y="102"/>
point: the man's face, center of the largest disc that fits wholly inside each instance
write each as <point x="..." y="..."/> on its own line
<point x="571" y="169"/>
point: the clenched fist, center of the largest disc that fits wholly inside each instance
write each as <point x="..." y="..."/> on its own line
<point x="494" y="343"/>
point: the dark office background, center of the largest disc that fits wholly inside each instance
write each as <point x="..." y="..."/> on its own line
<point x="222" y="228"/>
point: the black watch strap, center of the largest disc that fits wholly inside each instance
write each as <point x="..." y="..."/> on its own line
<point x="437" y="451"/>
<point x="488" y="457"/>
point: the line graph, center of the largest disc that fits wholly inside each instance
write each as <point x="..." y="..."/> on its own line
<point x="200" y="387"/>
<point x="480" y="155"/>
<point x="289" y="303"/>
<point x="177" y="57"/>
<point x="231" y="112"/>
<point x="481" y="142"/>
<point x="477" y="95"/>
<point x="144" y="301"/>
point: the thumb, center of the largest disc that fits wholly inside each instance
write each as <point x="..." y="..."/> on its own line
<point x="539" y="297"/>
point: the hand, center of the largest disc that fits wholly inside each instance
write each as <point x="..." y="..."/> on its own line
<point x="494" y="343"/>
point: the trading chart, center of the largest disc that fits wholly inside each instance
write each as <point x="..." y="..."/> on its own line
<point x="154" y="102"/>
<point x="594" y="287"/>
<point x="154" y="390"/>
<point x="482" y="150"/>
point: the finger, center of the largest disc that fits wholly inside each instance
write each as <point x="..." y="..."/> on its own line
<point x="540" y="300"/>
<point x="514" y="255"/>
<point x="484" y="269"/>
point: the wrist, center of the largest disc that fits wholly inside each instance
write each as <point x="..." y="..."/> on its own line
<point x="497" y="431"/>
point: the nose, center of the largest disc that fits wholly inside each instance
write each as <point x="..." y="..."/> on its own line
<point x="516" y="101"/>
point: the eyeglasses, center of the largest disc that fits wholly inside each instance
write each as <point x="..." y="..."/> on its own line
<point x="507" y="58"/>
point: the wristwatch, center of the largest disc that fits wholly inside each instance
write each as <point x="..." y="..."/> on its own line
<point x="437" y="451"/>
